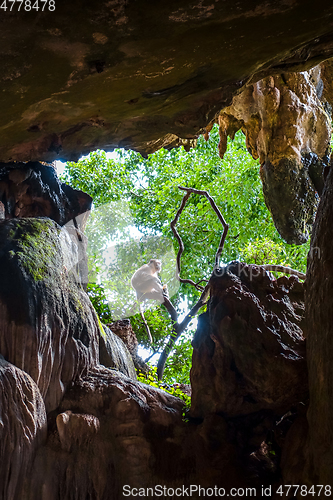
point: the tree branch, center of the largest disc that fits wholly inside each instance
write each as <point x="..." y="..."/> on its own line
<point x="150" y="338"/>
<point x="189" y="191"/>
<point x="284" y="269"/>
<point x="177" y="235"/>
<point x="178" y="328"/>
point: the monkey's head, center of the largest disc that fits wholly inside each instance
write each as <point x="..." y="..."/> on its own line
<point x="156" y="265"/>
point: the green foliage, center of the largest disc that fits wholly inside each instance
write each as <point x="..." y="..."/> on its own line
<point x="168" y="386"/>
<point x="264" y="250"/>
<point x="105" y="180"/>
<point x="159" y="324"/>
<point x="234" y="183"/>
<point x="101" y="329"/>
<point x="99" y="301"/>
<point x="142" y="193"/>
<point x="179" y="363"/>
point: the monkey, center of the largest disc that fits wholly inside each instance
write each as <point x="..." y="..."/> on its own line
<point x="147" y="285"/>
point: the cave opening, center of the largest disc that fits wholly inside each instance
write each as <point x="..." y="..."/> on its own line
<point x="134" y="201"/>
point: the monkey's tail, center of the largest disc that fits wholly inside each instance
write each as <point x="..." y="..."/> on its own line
<point x="146" y="325"/>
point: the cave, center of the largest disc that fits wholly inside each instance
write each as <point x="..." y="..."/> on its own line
<point x="80" y="76"/>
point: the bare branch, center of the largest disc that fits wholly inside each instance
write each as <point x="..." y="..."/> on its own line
<point x="219" y="215"/>
<point x="191" y="282"/>
<point x="176" y="234"/>
<point x="171" y="310"/>
<point x="173" y="223"/>
<point x="149" y="357"/>
<point x="284" y="269"/>
<point x="150" y="338"/>
<point x="178" y="328"/>
<point x="201" y="302"/>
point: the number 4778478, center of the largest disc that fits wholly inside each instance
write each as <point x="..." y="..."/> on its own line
<point x="28" y="5"/>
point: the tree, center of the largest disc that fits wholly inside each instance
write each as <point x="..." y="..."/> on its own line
<point x="149" y="189"/>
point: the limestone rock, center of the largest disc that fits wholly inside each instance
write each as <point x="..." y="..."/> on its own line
<point x="22" y="430"/>
<point x="123" y="329"/>
<point x="296" y="457"/>
<point x="113" y="353"/>
<point x="110" y="431"/>
<point x="249" y="349"/>
<point x="289" y="129"/>
<point x="76" y="429"/>
<point x="88" y="75"/>
<point x="113" y="431"/>
<point x="33" y="190"/>
<point x="48" y="328"/>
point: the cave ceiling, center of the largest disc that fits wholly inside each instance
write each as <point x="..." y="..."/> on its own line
<point x="141" y="75"/>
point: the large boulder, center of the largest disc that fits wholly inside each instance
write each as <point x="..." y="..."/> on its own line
<point x="33" y="189"/>
<point x="110" y="431"/>
<point x="249" y="348"/>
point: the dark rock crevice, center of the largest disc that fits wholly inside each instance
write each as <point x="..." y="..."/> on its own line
<point x="33" y="190"/>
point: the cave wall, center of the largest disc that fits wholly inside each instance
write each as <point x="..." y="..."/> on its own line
<point x="141" y="74"/>
<point x="319" y="310"/>
<point x="76" y="423"/>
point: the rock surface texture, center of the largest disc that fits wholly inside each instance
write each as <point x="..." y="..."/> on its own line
<point x="98" y="438"/>
<point x="123" y="329"/>
<point x="107" y="433"/>
<point x="48" y="328"/>
<point x="85" y="75"/>
<point x="319" y="310"/>
<point x="105" y="430"/>
<point x="288" y="128"/>
<point x="113" y="353"/>
<point x="23" y="428"/>
<point x="249" y="349"/>
<point x="33" y="190"/>
<point x="249" y="374"/>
